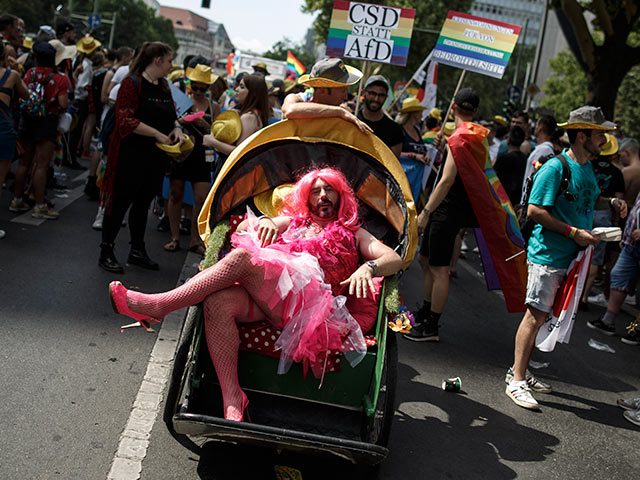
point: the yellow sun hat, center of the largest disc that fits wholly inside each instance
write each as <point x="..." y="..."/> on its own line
<point x="611" y="147"/>
<point x="412" y="104"/>
<point x="271" y="202"/>
<point x="175" y="74"/>
<point x="87" y="44"/>
<point x="202" y="74"/>
<point x="330" y="73"/>
<point x="227" y="127"/>
<point x="176" y="149"/>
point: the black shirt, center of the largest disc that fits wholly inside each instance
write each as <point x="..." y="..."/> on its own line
<point x="385" y="129"/>
<point x="510" y="167"/>
<point x="610" y="179"/>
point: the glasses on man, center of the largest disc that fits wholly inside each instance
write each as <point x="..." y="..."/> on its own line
<point x="371" y="94"/>
<point x="199" y="89"/>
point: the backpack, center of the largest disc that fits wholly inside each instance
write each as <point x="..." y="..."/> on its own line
<point x="36" y="104"/>
<point x="109" y="122"/>
<point x="526" y="223"/>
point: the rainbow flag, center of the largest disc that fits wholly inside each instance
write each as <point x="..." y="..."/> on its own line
<point x="294" y="66"/>
<point x="364" y="31"/>
<point x="496" y="217"/>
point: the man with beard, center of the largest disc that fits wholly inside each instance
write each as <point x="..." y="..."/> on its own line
<point x="564" y="222"/>
<point x="12" y="33"/>
<point x="328" y="79"/>
<point x="376" y="90"/>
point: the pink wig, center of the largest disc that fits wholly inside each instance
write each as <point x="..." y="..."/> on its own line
<point x="298" y="200"/>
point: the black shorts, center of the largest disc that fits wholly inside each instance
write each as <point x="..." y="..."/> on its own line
<point x="194" y="169"/>
<point x="439" y="237"/>
<point x="38" y="129"/>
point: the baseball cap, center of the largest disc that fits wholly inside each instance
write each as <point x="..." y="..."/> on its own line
<point x="467" y="99"/>
<point x="377" y="79"/>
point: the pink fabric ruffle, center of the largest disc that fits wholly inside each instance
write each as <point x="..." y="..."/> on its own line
<point x="314" y="320"/>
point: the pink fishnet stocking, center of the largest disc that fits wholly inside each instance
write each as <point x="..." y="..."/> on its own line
<point x="221" y="311"/>
<point x="235" y="268"/>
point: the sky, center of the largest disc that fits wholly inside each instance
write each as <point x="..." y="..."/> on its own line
<point x="253" y="24"/>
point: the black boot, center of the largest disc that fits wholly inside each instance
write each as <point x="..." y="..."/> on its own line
<point x="138" y="256"/>
<point x="108" y="260"/>
<point x="91" y="190"/>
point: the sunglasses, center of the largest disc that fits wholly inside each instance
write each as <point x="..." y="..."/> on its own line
<point x="375" y="94"/>
<point x="199" y="89"/>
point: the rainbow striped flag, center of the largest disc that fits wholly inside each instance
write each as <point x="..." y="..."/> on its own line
<point x="364" y="31"/>
<point x="294" y="66"/>
<point x="496" y="217"/>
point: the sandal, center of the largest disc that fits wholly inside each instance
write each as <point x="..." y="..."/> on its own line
<point x="173" y="245"/>
<point x="197" y="248"/>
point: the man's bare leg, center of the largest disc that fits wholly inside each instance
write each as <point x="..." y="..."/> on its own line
<point x="525" y="339"/>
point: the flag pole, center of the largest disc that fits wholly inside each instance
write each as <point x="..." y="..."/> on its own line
<point x="365" y="66"/>
<point x="404" y="89"/>
<point x="446" y="117"/>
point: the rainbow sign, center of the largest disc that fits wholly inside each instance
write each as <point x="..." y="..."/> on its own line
<point x="476" y="44"/>
<point x="364" y="31"/>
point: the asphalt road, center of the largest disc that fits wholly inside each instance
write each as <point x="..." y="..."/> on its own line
<point x="69" y="378"/>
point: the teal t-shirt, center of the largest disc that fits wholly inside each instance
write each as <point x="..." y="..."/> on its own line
<point x="551" y="248"/>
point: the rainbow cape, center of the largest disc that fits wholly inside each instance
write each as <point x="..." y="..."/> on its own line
<point x="500" y="233"/>
<point x="294" y="67"/>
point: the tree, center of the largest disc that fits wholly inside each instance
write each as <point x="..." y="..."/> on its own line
<point x="628" y="103"/>
<point x="606" y="57"/>
<point x="565" y="88"/>
<point x="135" y="22"/>
<point x="279" y="52"/>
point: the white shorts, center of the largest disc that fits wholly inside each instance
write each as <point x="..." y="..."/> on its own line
<point x="542" y="284"/>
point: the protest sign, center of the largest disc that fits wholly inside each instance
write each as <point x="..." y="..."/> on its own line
<point x="476" y="44"/>
<point x="364" y="31"/>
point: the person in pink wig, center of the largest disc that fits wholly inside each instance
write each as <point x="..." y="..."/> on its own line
<point x="302" y="272"/>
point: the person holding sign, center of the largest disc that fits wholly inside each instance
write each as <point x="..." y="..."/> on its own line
<point x="329" y="78"/>
<point x="447" y="211"/>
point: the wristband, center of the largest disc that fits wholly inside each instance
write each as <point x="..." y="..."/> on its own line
<point x="263" y="216"/>
<point x="573" y="232"/>
<point x="612" y="201"/>
<point x="567" y="231"/>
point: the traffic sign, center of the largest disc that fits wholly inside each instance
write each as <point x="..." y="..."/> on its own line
<point x="513" y="93"/>
<point x="94" y="20"/>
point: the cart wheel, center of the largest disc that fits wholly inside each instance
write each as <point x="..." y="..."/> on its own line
<point x="178" y="370"/>
<point x="379" y="426"/>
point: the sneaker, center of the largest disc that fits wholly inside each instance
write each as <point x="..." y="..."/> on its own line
<point x="45" y="213"/>
<point x="603" y="327"/>
<point x="2" y="234"/>
<point x="632" y="337"/>
<point x="18" y="206"/>
<point x="633" y="416"/>
<point x="630" y="300"/>
<point x="464" y="248"/>
<point x="532" y="382"/>
<point x="630" y="404"/>
<point x="598" y="299"/>
<point x="423" y="332"/>
<point x="163" y="226"/>
<point x="521" y="395"/>
<point x="97" y="223"/>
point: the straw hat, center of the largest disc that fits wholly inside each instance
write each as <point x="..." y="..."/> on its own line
<point x="449" y="127"/>
<point x="201" y="73"/>
<point x="88" y="44"/>
<point x="436" y="113"/>
<point x="330" y="73"/>
<point x="588" y="118"/>
<point x="176" y="74"/>
<point x="63" y="52"/>
<point x="412" y="104"/>
<point x="611" y="147"/>
<point x="271" y="202"/>
<point x="227" y="127"/>
<point x="500" y="120"/>
<point x="261" y="66"/>
<point x="176" y="149"/>
<point x="27" y="42"/>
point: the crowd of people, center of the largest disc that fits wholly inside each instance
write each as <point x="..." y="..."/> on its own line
<point x="567" y="178"/>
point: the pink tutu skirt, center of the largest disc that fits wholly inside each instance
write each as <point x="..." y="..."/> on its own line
<point x="313" y="320"/>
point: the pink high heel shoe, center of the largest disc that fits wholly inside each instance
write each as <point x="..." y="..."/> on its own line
<point x="245" y="403"/>
<point x="118" y="296"/>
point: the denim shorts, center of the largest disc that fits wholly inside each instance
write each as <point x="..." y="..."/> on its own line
<point x="542" y="284"/>
<point x="624" y="273"/>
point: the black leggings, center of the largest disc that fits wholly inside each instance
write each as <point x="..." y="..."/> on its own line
<point x="139" y="199"/>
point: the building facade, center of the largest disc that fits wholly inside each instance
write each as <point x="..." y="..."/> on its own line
<point x="198" y="35"/>
<point x="515" y="12"/>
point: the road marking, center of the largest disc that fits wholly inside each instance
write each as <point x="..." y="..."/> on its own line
<point x="73" y="195"/>
<point x="134" y="439"/>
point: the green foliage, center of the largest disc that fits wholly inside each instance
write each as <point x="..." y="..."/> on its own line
<point x="279" y="52"/>
<point x="566" y="87"/>
<point x="627" y="109"/>
<point x="135" y="22"/>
